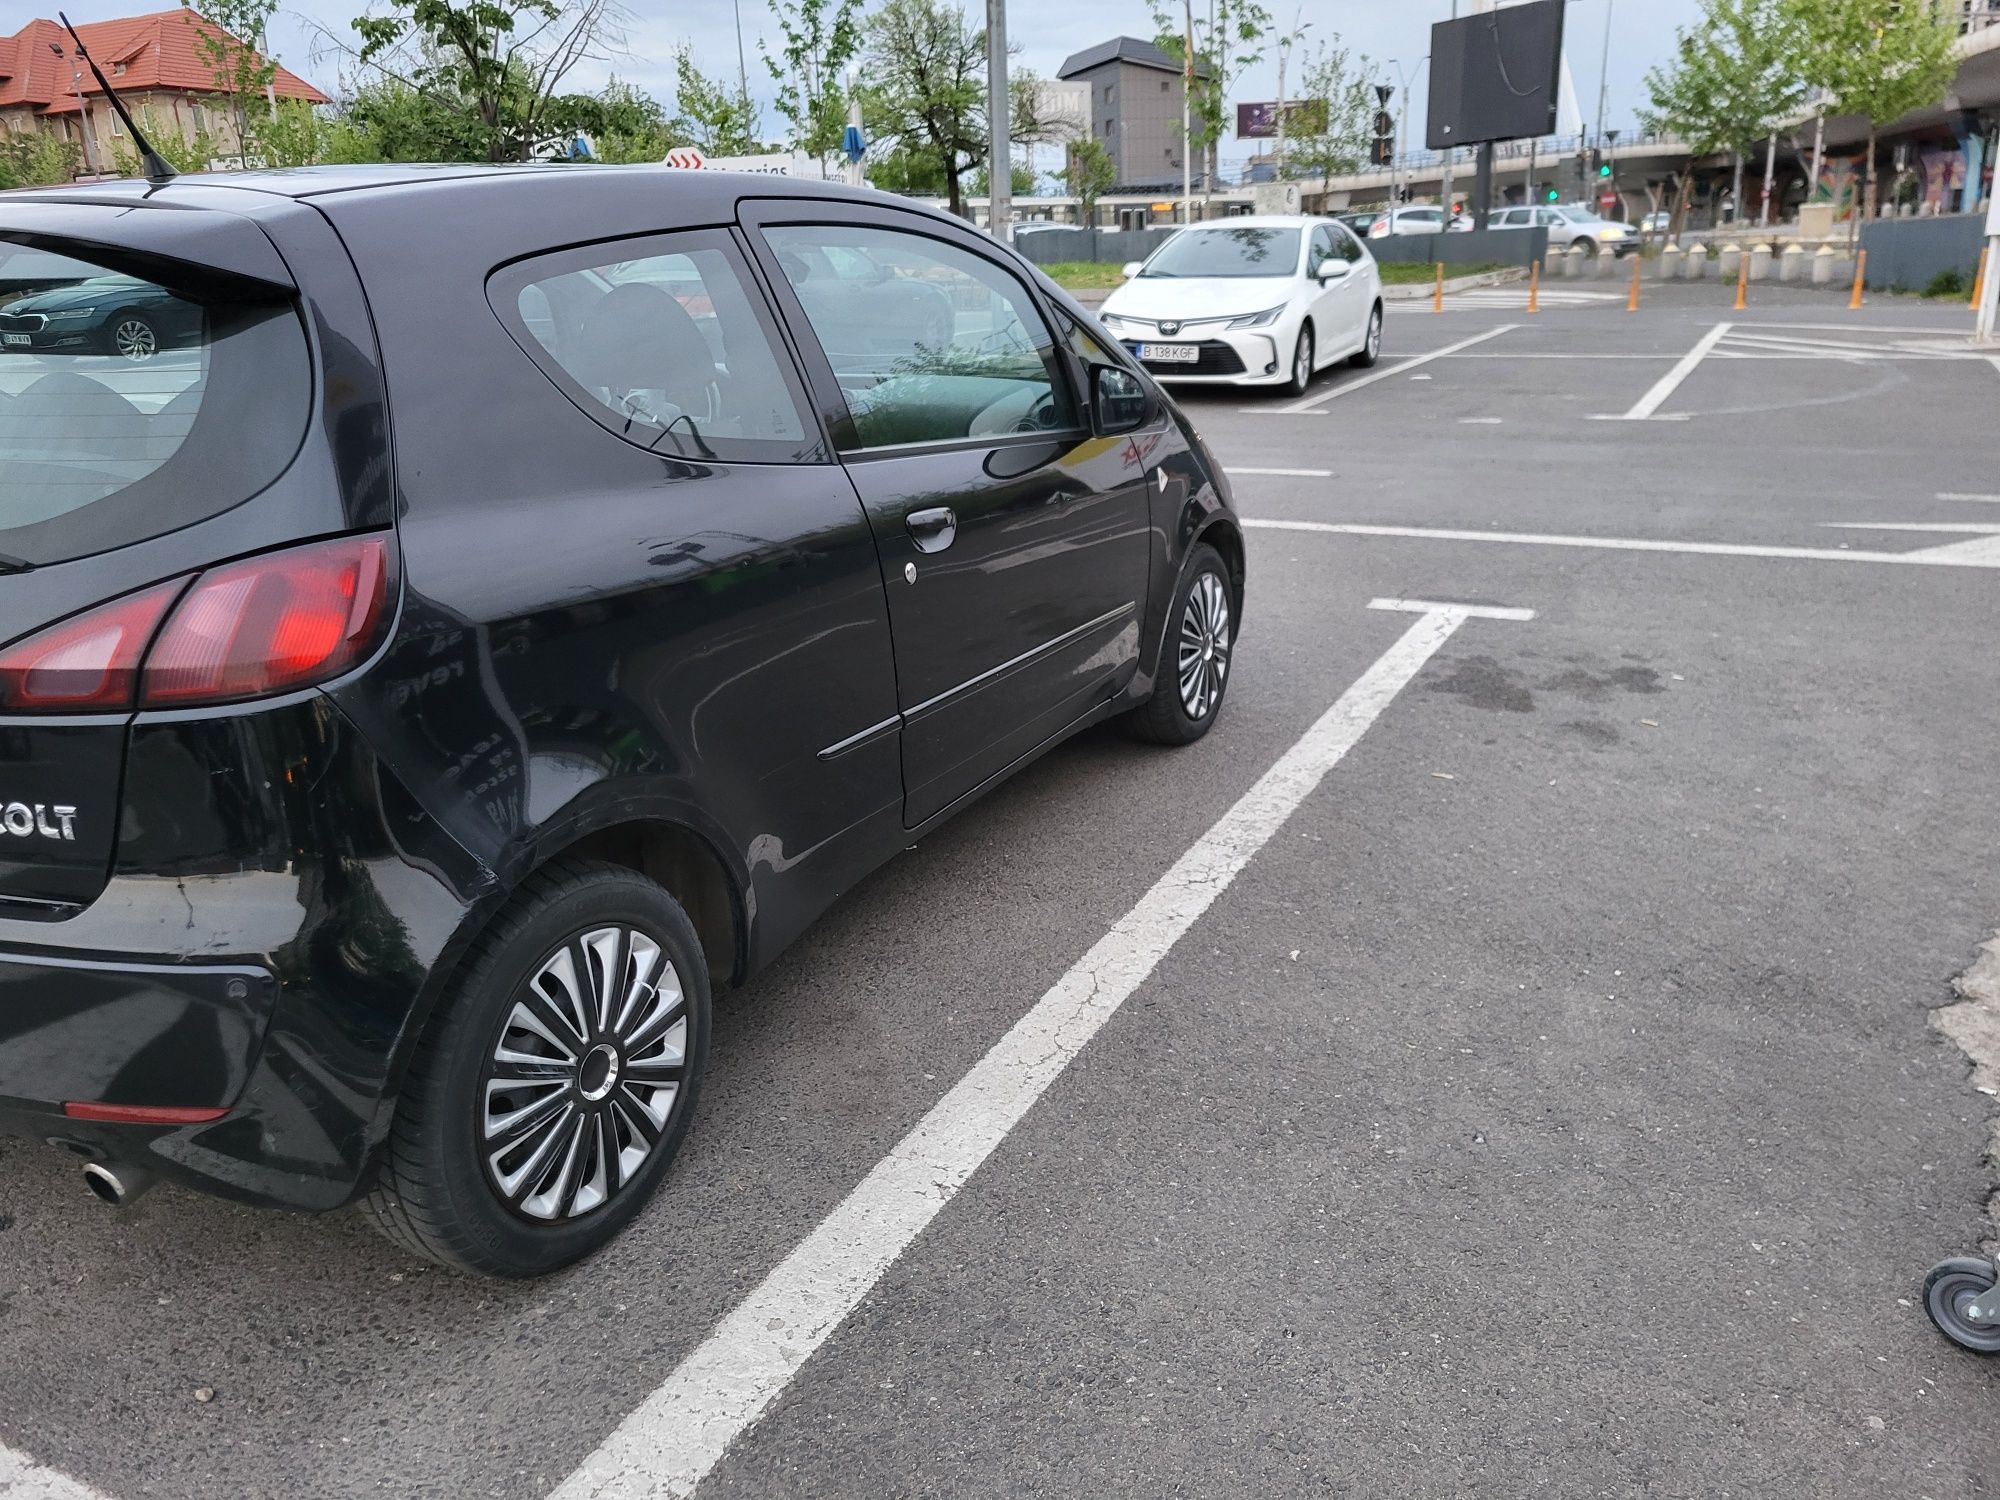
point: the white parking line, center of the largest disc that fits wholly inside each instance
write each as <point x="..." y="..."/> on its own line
<point x="1312" y="403"/>
<point x="1975" y="499"/>
<point x="21" y="1475"/>
<point x="1283" y="473"/>
<point x="1952" y="555"/>
<point x="1670" y="382"/>
<point x="681" y="1431"/>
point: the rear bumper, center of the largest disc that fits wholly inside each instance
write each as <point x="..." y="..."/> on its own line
<point x="277" y="913"/>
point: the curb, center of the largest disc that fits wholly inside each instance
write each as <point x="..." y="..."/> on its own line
<point x="1417" y="292"/>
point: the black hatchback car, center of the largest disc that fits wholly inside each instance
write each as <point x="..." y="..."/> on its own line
<point x="529" y="597"/>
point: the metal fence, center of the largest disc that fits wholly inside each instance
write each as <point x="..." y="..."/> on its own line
<point x="1112" y="245"/>
<point x="1909" y="253"/>
<point x="1481" y="247"/>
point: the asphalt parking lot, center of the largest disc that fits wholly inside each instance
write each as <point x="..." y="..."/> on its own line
<point x="1527" y="1087"/>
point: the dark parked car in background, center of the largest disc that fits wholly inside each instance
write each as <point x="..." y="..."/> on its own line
<point x="521" y="619"/>
<point x="127" y="316"/>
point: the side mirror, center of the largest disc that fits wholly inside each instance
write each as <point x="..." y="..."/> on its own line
<point x="1130" y="269"/>
<point x="1335" y="270"/>
<point x="1118" y="399"/>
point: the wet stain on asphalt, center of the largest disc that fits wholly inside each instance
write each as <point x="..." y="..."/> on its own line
<point x="1482" y="682"/>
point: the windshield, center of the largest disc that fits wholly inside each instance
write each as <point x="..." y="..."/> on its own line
<point x="1227" y="253"/>
<point x="130" y="408"/>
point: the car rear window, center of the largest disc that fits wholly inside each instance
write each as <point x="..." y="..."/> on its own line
<point x="137" y="396"/>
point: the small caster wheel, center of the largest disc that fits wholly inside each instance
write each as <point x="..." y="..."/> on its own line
<point x="1952" y="1290"/>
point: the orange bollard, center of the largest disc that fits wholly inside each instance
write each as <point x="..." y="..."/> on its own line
<point x="1535" y="286"/>
<point x="1860" y="279"/>
<point x="1979" y="278"/>
<point x="1743" y="281"/>
<point x="1437" y="297"/>
<point x="1632" y="299"/>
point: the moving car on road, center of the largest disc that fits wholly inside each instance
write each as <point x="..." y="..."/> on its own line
<point x="1251" y="301"/>
<point x="410" y="720"/>
<point x="1569" y="224"/>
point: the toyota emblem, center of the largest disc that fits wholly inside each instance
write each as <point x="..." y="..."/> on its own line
<point x="1170" y="329"/>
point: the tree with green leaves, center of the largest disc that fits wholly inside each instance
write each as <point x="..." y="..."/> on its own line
<point x="821" y="37"/>
<point x="1687" y="97"/>
<point x="292" y="135"/>
<point x="36" y="158"/>
<point x="709" y="113"/>
<point x="1230" y="38"/>
<point x="926" y="91"/>
<point x="1881" y="59"/>
<point x="1745" y="53"/>
<point x="1337" y="143"/>
<point x="231" y="51"/>
<point x="1089" y="174"/>
<point x="497" y="64"/>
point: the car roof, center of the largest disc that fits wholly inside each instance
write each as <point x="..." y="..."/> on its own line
<point x="1261" y="221"/>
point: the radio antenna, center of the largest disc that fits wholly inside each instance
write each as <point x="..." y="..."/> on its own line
<point x="157" y="171"/>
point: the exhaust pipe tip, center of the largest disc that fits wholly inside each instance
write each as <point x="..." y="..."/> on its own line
<point x="115" y="1183"/>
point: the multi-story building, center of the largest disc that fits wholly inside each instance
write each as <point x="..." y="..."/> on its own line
<point x="159" y="66"/>
<point x="1135" y="111"/>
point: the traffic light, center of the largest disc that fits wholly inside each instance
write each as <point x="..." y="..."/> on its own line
<point x="1554" y="196"/>
<point x="1599" y="167"/>
<point x="1383" y="150"/>
<point x="1603" y="170"/>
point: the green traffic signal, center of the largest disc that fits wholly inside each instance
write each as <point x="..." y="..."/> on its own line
<point x="1605" y="170"/>
<point x="1554" y="196"/>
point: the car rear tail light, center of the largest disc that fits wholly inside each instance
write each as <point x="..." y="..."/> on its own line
<point x="86" y="664"/>
<point x="271" y="623"/>
<point x="244" y="630"/>
<point x="141" y="1114"/>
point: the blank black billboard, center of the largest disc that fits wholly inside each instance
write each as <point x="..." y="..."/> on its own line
<point x="1494" y="76"/>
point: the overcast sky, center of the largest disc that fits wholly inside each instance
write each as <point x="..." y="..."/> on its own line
<point x="1642" y="31"/>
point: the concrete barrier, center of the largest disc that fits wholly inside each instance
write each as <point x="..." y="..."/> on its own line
<point x="1792" y="264"/>
<point x="1760" y="263"/>
<point x="1727" y="259"/>
<point x="1573" y="262"/>
<point x="1670" y="262"/>
<point x="1823" y="266"/>
<point x="1696" y="262"/>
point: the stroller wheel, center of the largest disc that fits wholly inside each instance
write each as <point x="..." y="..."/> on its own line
<point x="1951" y="1290"/>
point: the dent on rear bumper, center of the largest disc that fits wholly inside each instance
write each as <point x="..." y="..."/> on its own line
<point x="268" y="843"/>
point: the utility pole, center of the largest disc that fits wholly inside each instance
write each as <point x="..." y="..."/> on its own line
<point x="1187" y="116"/>
<point x="82" y="110"/>
<point x="742" y="73"/>
<point x="1444" y="224"/>
<point x="1604" y="70"/>
<point x="999" y="120"/>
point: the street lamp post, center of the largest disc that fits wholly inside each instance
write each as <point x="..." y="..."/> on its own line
<point x="999" y="146"/>
<point x="82" y="110"/>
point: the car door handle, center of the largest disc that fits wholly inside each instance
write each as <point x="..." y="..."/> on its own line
<point x="933" y="530"/>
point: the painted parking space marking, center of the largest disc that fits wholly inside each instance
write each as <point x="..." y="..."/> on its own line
<point x="1496" y="299"/>
<point x="1952" y="555"/>
<point x="1234" y="469"/>
<point x="1347" y="388"/>
<point x="1646" y="406"/>
<point x="679" y="1433"/>
<point x="20" y="1475"/>
<point x="1974" y="499"/>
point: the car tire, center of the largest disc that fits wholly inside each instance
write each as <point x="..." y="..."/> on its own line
<point x="1204" y="606"/>
<point x="1590" y="245"/>
<point x="529" y="991"/>
<point x="1301" y="378"/>
<point x="1371" y="344"/>
<point x="132" y="337"/>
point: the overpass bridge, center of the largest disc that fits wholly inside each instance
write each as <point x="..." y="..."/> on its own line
<point x="1523" y="170"/>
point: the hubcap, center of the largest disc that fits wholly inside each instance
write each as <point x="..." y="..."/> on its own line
<point x="1302" y="362"/>
<point x="581" y="1085"/>
<point x="1204" y="653"/>
<point x="135" y="340"/>
<point x="1375" y="333"/>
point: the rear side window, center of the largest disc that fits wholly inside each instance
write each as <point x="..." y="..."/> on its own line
<point x="137" y="396"/>
<point x="663" y="341"/>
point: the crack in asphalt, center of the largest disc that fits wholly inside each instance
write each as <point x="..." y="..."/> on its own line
<point x="1972" y="1022"/>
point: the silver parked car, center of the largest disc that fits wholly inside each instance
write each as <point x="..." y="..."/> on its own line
<point x="1416" y="218"/>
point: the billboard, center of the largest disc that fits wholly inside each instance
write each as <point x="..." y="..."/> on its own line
<point x="1495" y="76"/>
<point x="1259" y="121"/>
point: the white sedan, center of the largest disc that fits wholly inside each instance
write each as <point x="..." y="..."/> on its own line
<point x="1251" y="301"/>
